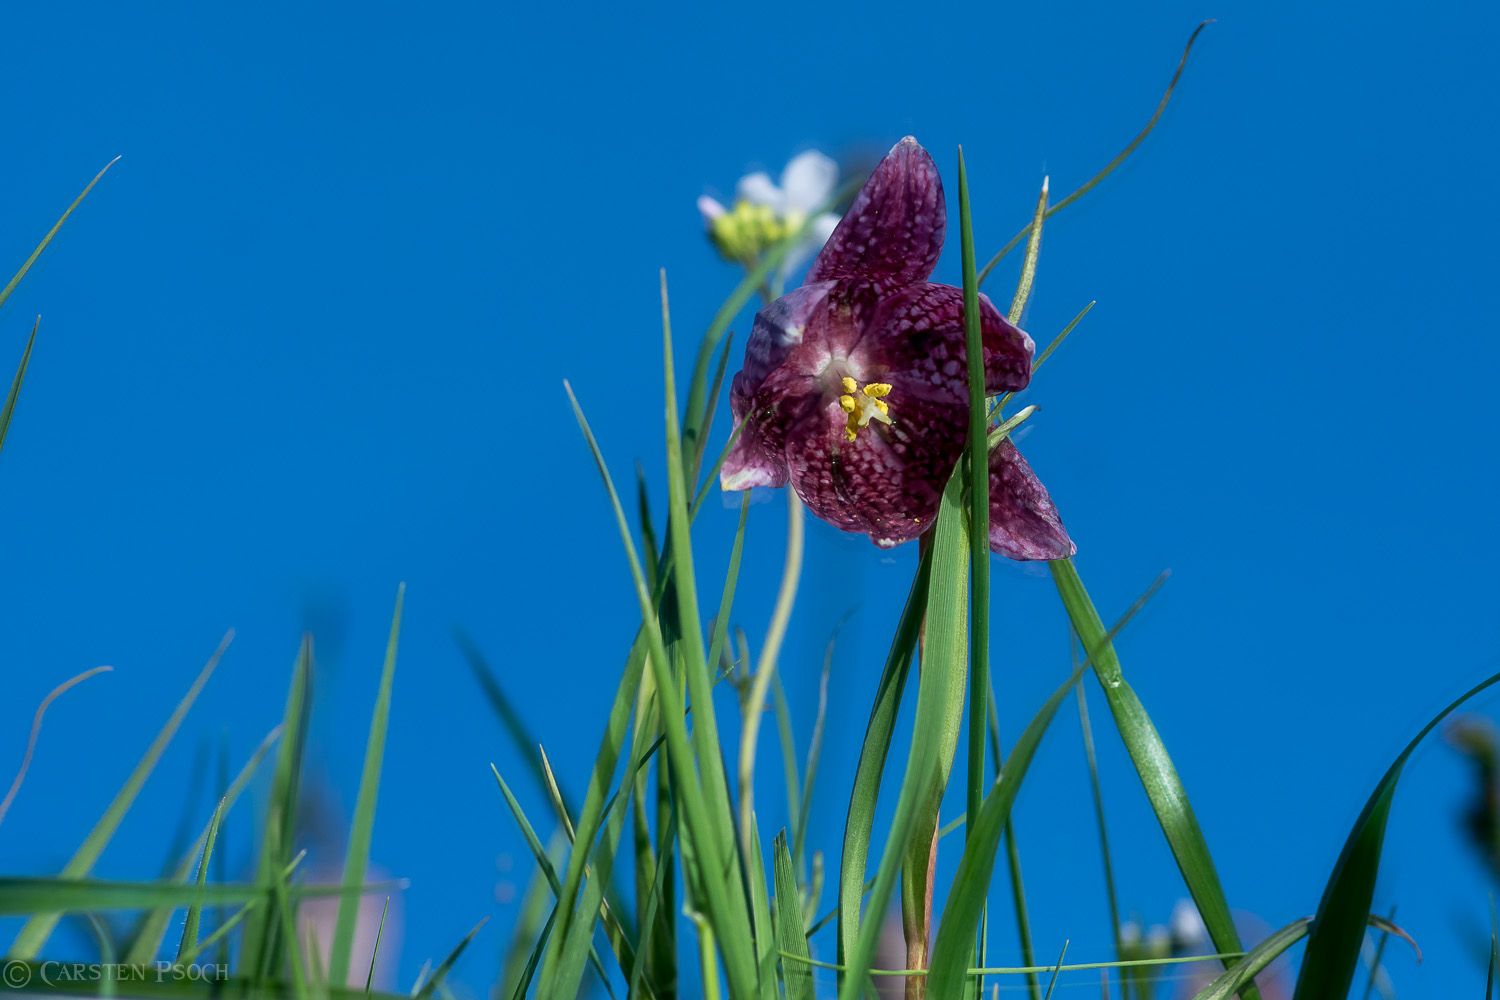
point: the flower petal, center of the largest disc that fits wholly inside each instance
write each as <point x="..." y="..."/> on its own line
<point x="709" y="208"/>
<point x="758" y="189"/>
<point x="808" y="181"/>
<point x="893" y="233"/>
<point x="778" y="328"/>
<point x="1023" y="522"/>
<point x="749" y="463"/>
<point x="915" y="340"/>
<point x="887" y="482"/>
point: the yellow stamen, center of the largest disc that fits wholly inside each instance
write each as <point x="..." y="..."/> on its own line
<point x="863" y="405"/>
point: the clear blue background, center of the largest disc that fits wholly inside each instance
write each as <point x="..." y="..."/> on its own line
<point x="307" y="340"/>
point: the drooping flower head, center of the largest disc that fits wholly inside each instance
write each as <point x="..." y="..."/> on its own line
<point x="855" y="386"/>
<point x="765" y="213"/>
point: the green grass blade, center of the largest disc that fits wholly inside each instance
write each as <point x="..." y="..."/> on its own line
<point x="220" y="933"/>
<point x="860" y="820"/>
<point x="955" y="936"/>
<point x="260" y="946"/>
<point x="375" y="951"/>
<point x="653" y="904"/>
<point x="1158" y="775"/>
<point x="1098" y="793"/>
<point x="1385" y="937"/>
<point x="1013" y="860"/>
<point x="153" y="927"/>
<point x="786" y="733"/>
<point x="791" y="934"/>
<point x="703" y="839"/>
<point x="765" y="926"/>
<point x="527" y="974"/>
<point x="544" y="863"/>
<point x="1041" y="359"/>
<point x="946" y="635"/>
<point x="10" y="286"/>
<point x="9" y="409"/>
<point x="190" y="926"/>
<point x="357" y="860"/>
<point x="1109" y="168"/>
<point x="709" y="408"/>
<point x="21" y="896"/>
<point x="765" y="669"/>
<point x="1028" y="265"/>
<point x="441" y="972"/>
<point x="35" y="932"/>
<point x="979" y="506"/>
<point x="1339" y="925"/>
<point x="1053" y="984"/>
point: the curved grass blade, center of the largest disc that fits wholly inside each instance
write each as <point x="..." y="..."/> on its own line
<point x="358" y="857"/>
<point x="971" y="885"/>
<point x="1158" y="775"/>
<point x="35" y="932"/>
<point x="441" y="972"/>
<point x="36" y="731"/>
<point x="1338" y="927"/>
<point x="10" y="286"/>
<point x="791" y="935"/>
<point x="860" y="819"/>
<point x="1109" y="168"/>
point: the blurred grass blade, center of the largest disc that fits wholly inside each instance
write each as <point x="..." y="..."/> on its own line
<point x="765" y="930"/>
<point x="220" y="933"/>
<point x="860" y="820"/>
<point x="1338" y="927"/>
<point x="1042" y="358"/>
<point x="10" y="286"/>
<point x="524" y="982"/>
<point x="709" y="407"/>
<point x="20" y="896"/>
<point x="946" y="634"/>
<point x="1385" y="937"/>
<point x="653" y="904"/>
<point x="441" y="972"/>
<point x="1259" y="957"/>
<point x="15" y="390"/>
<point x="35" y="932"/>
<point x="971" y="885"/>
<point x="814" y="753"/>
<point x="1098" y="793"/>
<point x="36" y="731"/>
<point x="1013" y="859"/>
<point x="1158" y="775"/>
<point x="791" y="934"/>
<point x="357" y="860"/>
<point x="153" y="926"/>
<point x="190" y="925"/>
<point x="1109" y="168"/>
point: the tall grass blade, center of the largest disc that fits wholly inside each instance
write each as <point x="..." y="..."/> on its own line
<point x="791" y="934"/>
<point x="10" y="286"/>
<point x="932" y="737"/>
<point x="357" y="860"/>
<point x="35" y="932"/>
<point x="1028" y="264"/>
<point x="1098" y="794"/>
<point x="860" y="820"/>
<point x="1338" y="927"/>
<point x="190" y="926"/>
<point x="9" y="409"/>
<point x="1013" y="861"/>
<point x="810" y="769"/>
<point x="375" y="951"/>
<point x="523" y="983"/>
<point x="955" y="936"/>
<point x="20" y="896"/>
<point x="1158" y="775"/>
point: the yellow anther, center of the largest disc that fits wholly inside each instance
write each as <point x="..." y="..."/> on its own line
<point x="863" y="405"/>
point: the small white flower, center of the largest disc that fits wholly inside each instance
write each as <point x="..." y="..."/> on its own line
<point x="764" y="209"/>
<point x="1187" y="925"/>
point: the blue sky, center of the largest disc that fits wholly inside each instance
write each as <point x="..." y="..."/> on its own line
<point x="307" y="340"/>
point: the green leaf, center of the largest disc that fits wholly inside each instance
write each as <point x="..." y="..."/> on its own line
<point x="357" y="860"/>
<point x="190" y="926"/>
<point x="10" y="286"/>
<point x="933" y="737"/>
<point x="35" y="932"/>
<point x="20" y="896"/>
<point x="1338" y="927"/>
<point x="971" y="885"/>
<point x="524" y="982"/>
<point x="791" y="934"/>
<point x="15" y="386"/>
<point x="860" y="819"/>
<point x="441" y="972"/>
<point x="1109" y="168"/>
<point x="1158" y="775"/>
